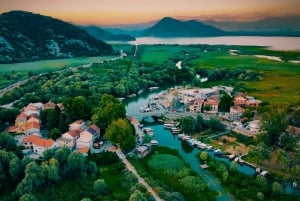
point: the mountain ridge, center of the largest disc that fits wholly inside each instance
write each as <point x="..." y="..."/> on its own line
<point x="26" y="36"/>
<point x="171" y="27"/>
<point x="102" y="34"/>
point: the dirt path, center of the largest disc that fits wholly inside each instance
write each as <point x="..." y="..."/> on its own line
<point x="140" y="179"/>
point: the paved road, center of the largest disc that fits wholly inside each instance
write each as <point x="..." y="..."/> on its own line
<point x="140" y="179"/>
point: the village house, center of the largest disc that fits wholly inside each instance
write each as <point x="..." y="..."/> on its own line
<point x="31" y="109"/>
<point x="191" y="94"/>
<point x="236" y="112"/>
<point x="69" y="138"/>
<point x="211" y="104"/>
<point x="79" y="124"/>
<point x="246" y="101"/>
<point x="49" y="105"/>
<point x="254" y="126"/>
<point x="87" y="137"/>
<point x="20" y="122"/>
<point x="33" y="118"/>
<point x="32" y="127"/>
<point x="196" y="105"/>
<point x="37" y="144"/>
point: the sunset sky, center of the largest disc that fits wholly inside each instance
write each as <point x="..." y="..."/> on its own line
<point x="118" y="12"/>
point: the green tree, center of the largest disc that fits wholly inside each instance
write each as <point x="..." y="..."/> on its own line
<point x="260" y="152"/>
<point x="260" y="196"/>
<point x="109" y="109"/>
<point x="215" y="124"/>
<point x="15" y="168"/>
<point x="274" y="124"/>
<point x="137" y="196"/>
<point x="289" y="141"/>
<point x="54" y="133"/>
<point x="76" y="163"/>
<point x="91" y="168"/>
<point x="49" y="170"/>
<point x="27" y="197"/>
<point x="188" y="124"/>
<point x="61" y="155"/>
<point x="204" y="156"/>
<point x="277" y="188"/>
<point x="122" y="132"/>
<point x="85" y="199"/>
<point x="200" y="123"/>
<point x="77" y="108"/>
<point x="225" y="176"/>
<point x="225" y="103"/>
<point x="100" y="186"/>
<point x="7" y="142"/>
<point x="261" y="181"/>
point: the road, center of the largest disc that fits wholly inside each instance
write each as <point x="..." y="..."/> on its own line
<point x="140" y="179"/>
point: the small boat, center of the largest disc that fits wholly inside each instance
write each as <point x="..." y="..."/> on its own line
<point x="181" y="135"/>
<point x="168" y="125"/>
<point x="209" y="147"/>
<point x="147" y="129"/>
<point x="153" y="88"/>
<point x="231" y="156"/>
<point x="154" y="142"/>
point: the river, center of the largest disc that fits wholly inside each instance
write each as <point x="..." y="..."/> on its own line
<point x="273" y="42"/>
<point x="189" y="154"/>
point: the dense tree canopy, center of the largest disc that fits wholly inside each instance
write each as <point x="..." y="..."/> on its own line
<point x="225" y="103"/>
<point x="122" y="132"/>
<point x="109" y="109"/>
<point x="274" y="124"/>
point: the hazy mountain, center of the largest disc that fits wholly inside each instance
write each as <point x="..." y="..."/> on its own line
<point x="170" y="27"/>
<point x="102" y="34"/>
<point x="25" y="36"/>
<point x="267" y="26"/>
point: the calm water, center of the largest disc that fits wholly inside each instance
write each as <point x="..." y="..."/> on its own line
<point x="278" y="43"/>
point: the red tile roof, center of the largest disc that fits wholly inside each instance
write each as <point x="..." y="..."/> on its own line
<point x="12" y="129"/>
<point x="96" y="128"/>
<point x="49" y="105"/>
<point x="75" y="133"/>
<point x="30" y="138"/>
<point x="36" y="140"/>
<point x="30" y="125"/>
<point x="21" y="115"/>
<point x="83" y="150"/>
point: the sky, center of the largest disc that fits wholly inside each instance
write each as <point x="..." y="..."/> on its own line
<point x="121" y="12"/>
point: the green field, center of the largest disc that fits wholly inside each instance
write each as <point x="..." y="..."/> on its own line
<point x="19" y="71"/>
<point x="280" y="79"/>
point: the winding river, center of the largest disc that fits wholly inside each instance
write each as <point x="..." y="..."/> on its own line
<point x="189" y="154"/>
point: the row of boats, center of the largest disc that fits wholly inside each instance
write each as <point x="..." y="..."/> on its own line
<point x="203" y="146"/>
<point x="172" y="127"/>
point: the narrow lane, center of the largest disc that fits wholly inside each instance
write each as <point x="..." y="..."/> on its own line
<point x="130" y="167"/>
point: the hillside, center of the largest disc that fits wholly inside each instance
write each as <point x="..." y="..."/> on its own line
<point x="25" y="36"/>
<point x="170" y="27"/>
<point x="104" y="35"/>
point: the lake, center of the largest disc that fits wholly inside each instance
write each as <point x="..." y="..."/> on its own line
<point x="276" y="43"/>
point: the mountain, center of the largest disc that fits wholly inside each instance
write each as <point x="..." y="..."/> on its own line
<point x="170" y="27"/>
<point x="267" y="26"/>
<point x="102" y="34"/>
<point x="25" y="36"/>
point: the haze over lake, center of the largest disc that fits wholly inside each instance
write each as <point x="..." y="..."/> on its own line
<point x="276" y="43"/>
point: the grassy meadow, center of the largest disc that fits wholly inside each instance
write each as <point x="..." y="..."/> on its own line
<point x="280" y="79"/>
<point x="19" y="71"/>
